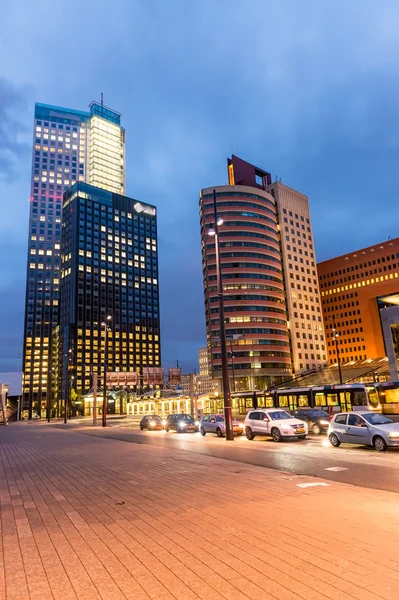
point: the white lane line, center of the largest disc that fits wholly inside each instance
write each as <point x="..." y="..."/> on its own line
<point x="335" y="469"/>
<point x="305" y="485"/>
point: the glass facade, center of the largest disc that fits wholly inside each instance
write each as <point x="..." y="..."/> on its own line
<point x="109" y="267"/>
<point x="60" y="157"/>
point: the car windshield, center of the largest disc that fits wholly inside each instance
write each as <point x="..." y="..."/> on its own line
<point x="317" y="413"/>
<point x="155" y="418"/>
<point x="186" y="418"/>
<point x="377" y="419"/>
<point x="279" y="415"/>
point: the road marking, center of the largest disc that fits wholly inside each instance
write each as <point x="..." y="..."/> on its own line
<point x="336" y="469"/>
<point x="305" y="485"/>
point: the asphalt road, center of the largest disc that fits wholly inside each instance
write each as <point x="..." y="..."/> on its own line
<point x="357" y="465"/>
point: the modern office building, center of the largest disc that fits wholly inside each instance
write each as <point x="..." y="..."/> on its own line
<point x="252" y="276"/>
<point x="302" y="293"/>
<point x="203" y="361"/>
<point x="198" y="384"/>
<point x="353" y="289"/>
<point x="109" y="268"/>
<point x="68" y="146"/>
<point x="274" y="324"/>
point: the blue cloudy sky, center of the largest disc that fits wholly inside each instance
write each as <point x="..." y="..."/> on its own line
<point x="306" y="89"/>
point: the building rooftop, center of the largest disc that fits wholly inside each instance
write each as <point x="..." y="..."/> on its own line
<point x="43" y="111"/>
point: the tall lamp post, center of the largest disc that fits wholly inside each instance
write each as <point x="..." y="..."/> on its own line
<point x="66" y="404"/>
<point x="223" y="346"/>
<point x="49" y="396"/>
<point x="232" y="365"/>
<point x="336" y="336"/>
<point x="70" y="397"/>
<point x="105" y="403"/>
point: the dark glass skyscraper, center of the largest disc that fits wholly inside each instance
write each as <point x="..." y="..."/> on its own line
<point x="68" y="146"/>
<point x="109" y="266"/>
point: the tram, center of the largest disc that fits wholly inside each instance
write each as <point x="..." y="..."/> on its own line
<point x="388" y="396"/>
<point x="336" y="398"/>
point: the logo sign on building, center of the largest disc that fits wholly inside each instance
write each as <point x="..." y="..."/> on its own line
<point x="122" y="379"/>
<point x="153" y="376"/>
<point x="174" y="376"/>
<point x="145" y="209"/>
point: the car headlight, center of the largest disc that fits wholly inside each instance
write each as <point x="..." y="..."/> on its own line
<point x="241" y="425"/>
<point x="393" y="434"/>
<point x="182" y="424"/>
<point x="152" y="423"/>
<point x="286" y="427"/>
<point x="164" y="422"/>
<point x="197" y="423"/>
<point x="323" y="422"/>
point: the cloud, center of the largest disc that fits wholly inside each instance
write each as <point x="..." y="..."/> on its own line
<point x="307" y="90"/>
<point x="13" y="101"/>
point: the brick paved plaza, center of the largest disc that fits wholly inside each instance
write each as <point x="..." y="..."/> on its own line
<point x="84" y="518"/>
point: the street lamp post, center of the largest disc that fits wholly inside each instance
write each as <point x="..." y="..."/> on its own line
<point x="105" y="403"/>
<point x="335" y="336"/>
<point x="232" y="365"/>
<point x="49" y="397"/>
<point x="69" y="357"/>
<point x="223" y="346"/>
<point x="70" y="397"/>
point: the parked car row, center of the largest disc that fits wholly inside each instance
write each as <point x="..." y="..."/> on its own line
<point x="180" y="423"/>
<point x="363" y="428"/>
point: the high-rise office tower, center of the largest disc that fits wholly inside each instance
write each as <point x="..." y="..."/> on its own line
<point x="300" y="276"/>
<point x="272" y="305"/>
<point x="252" y="278"/>
<point x="109" y="268"/>
<point x="68" y="146"/>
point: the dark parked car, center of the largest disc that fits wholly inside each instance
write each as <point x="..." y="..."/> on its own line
<point x="181" y="423"/>
<point x="151" y="422"/>
<point x="317" y="420"/>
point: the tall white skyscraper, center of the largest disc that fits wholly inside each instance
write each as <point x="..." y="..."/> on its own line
<point x="68" y="146"/>
<point x="301" y="281"/>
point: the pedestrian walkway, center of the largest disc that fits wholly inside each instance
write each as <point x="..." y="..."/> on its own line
<point x="86" y="518"/>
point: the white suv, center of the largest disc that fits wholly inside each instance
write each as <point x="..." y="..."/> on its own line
<point x="274" y="422"/>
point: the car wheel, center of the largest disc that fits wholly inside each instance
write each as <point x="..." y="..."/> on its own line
<point x="302" y="437"/>
<point x="166" y="429"/>
<point x="202" y="430"/>
<point x="219" y="432"/>
<point x="334" y="440"/>
<point x="141" y="427"/>
<point x="379" y="443"/>
<point x="276" y="434"/>
<point x="316" y="429"/>
<point x="249" y="434"/>
<point x="240" y="433"/>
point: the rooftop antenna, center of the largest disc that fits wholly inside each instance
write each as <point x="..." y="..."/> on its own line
<point x="177" y="364"/>
<point x="102" y="99"/>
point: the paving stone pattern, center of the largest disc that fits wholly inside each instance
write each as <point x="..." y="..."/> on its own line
<point x="86" y="518"/>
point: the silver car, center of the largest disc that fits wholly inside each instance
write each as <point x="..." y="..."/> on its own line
<point x="365" y="428"/>
<point x="216" y="424"/>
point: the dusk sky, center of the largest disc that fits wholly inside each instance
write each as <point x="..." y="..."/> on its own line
<point x="305" y="89"/>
